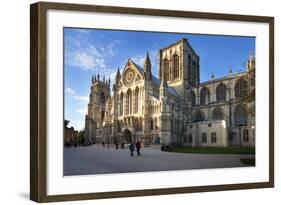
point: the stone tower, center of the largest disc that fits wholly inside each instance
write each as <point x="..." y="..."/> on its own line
<point x="100" y="93"/>
<point x="180" y="65"/>
<point x="148" y="89"/>
<point x="165" y="115"/>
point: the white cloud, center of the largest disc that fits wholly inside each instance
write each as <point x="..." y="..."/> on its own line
<point x="81" y="52"/>
<point x="69" y="91"/>
<point x="82" y="111"/>
<point x="139" y="59"/>
<point x="77" y="124"/>
<point x="80" y="97"/>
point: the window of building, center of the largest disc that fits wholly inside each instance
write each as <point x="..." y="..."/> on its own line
<point x="121" y="104"/>
<point x="192" y="98"/>
<point x="240" y="88"/>
<point x="221" y="92"/>
<point x="190" y="138"/>
<point x="136" y="99"/>
<point x="190" y="126"/>
<point x="198" y="116"/>
<point x="213" y="137"/>
<point x="204" y="96"/>
<point x="210" y="125"/>
<point x="184" y="139"/>
<point x="166" y="70"/>
<point x="246" y="135"/>
<point x="240" y="115"/>
<point x="176" y="66"/>
<point x="102" y="98"/>
<point x="218" y="113"/>
<point x="204" y="137"/>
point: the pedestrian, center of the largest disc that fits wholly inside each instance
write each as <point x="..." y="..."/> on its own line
<point x="138" y="146"/>
<point x="117" y="145"/>
<point x="103" y="144"/>
<point x="122" y="145"/>
<point x="132" y="149"/>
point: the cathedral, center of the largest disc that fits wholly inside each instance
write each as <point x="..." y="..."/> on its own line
<point x="174" y="108"/>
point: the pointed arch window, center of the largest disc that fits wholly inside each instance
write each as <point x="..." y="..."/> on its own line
<point x="240" y="88"/>
<point x="166" y="70"/>
<point x="176" y="66"/>
<point x="198" y="116"/>
<point x="204" y="96"/>
<point x="218" y="114"/>
<point x="192" y="97"/>
<point x="102" y="98"/>
<point x="129" y="102"/>
<point x="240" y="115"/>
<point x="221" y="92"/>
<point x="121" y="104"/>
<point x="136" y="100"/>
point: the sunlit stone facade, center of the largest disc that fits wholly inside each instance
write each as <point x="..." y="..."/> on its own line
<point x="174" y="108"/>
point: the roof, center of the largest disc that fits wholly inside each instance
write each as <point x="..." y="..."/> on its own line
<point x="156" y="81"/>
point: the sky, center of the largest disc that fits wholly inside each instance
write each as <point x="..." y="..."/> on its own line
<point x="88" y="52"/>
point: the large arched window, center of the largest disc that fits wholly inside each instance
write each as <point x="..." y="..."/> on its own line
<point x="176" y="66"/>
<point x="240" y="88"/>
<point x="102" y="98"/>
<point x="155" y="123"/>
<point x="240" y="115"/>
<point x="136" y="124"/>
<point x="166" y="70"/>
<point x="204" y="96"/>
<point x="136" y="99"/>
<point x="198" y="116"/>
<point x="121" y="104"/>
<point x="129" y="102"/>
<point x="221" y="92"/>
<point x="140" y="124"/>
<point x="218" y="113"/>
<point x="192" y="98"/>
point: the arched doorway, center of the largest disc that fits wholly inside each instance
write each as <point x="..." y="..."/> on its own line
<point x="127" y="136"/>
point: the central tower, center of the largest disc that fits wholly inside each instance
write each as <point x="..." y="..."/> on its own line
<point x="180" y="66"/>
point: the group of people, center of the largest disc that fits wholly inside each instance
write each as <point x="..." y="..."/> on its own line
<point x="132" y="147"/>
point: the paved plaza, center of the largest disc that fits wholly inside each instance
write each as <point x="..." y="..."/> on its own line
<point x="96" y="159"/>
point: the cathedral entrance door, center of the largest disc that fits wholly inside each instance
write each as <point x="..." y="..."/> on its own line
<point x="127" y="136"/>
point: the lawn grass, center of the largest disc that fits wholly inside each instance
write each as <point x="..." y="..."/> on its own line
<point x="213" y="150"/>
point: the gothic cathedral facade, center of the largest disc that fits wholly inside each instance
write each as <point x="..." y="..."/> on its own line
<point x="174" y="108"/>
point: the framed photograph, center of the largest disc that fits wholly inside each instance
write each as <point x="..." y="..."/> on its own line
<point x="135" y="102"/>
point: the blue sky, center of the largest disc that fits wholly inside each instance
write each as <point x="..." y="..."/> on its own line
<point x="90" y="51"/>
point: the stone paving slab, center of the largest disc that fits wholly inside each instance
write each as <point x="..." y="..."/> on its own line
<point x="96" y="159"/>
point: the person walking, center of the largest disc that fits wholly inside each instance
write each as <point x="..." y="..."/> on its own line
<point x="138" y="146"/>
<point x="123" y="145"/>
<point x="132" y="149"/>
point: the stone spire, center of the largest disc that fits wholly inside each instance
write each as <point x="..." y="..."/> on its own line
<point x="118" y="75"/>
<point x="230" y="71"/>
<point x="147" y="66"/>
<point x="92" y="79"/>
<point x="98" y="76"/>
<point x="163" y="85"/>
<point x="250" y="61"/>
<point x="212" y="76"/>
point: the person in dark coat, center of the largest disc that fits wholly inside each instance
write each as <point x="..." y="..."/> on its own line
<point x="132" y="149"/>
<point x="138" y="146"/>
<point x="122" y="145"/>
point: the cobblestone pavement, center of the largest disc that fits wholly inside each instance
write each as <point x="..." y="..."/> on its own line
<point x="96" y="159"/>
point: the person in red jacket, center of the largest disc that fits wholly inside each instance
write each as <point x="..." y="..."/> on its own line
<point x="138" y="146"/>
